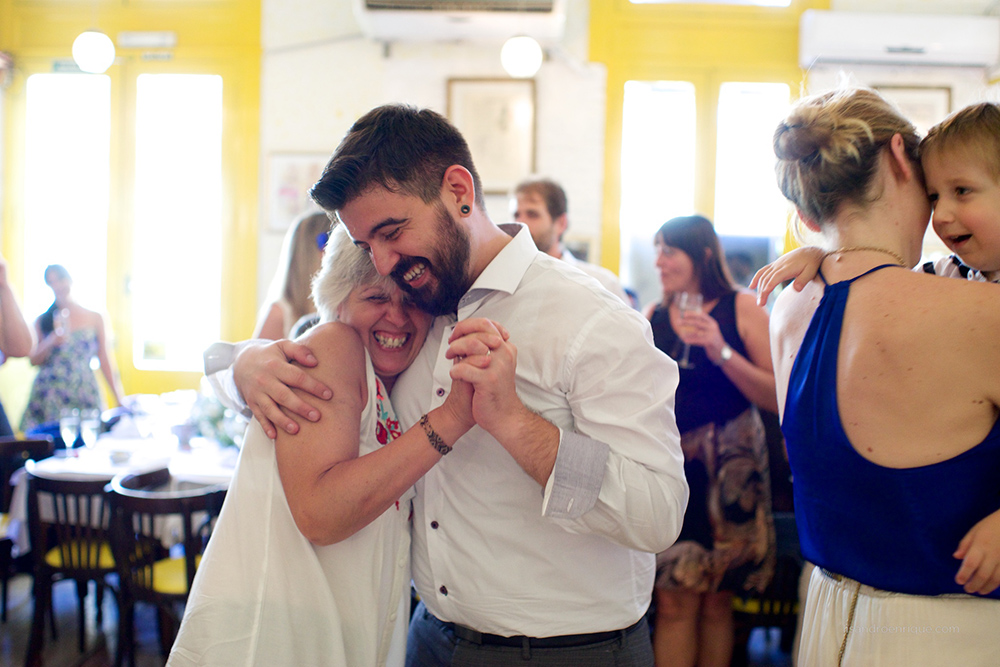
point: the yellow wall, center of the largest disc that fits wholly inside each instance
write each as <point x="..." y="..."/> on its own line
<point x="703" y="44"/>
<point x="218" y="36"/>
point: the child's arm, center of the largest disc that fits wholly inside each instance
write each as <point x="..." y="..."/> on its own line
<point x="802" y="264"/>
<point x="980" y="554"/>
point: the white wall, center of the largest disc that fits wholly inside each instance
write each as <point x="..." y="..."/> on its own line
<point x="319" y="74"/>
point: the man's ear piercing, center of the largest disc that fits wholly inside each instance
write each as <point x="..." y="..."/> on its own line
<point x="466" y="209"/>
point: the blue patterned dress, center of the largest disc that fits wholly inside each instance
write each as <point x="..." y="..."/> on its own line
<point x="65" y="380"/>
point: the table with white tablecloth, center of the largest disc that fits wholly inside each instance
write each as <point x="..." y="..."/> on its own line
<point x="203" y="462"/>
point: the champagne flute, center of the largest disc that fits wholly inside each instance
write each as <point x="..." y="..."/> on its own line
<point x="687" y="302"/>
<point x="69" y="426"/>
<point x="90" y="427"/>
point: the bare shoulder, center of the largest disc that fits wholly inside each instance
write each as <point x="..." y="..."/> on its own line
<point x="340" y="353"/>
<point x="746" y="303"/>
<point x="95" y="320"/>
<point x="965" y="306"/>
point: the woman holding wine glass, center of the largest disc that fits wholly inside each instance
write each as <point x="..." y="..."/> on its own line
<point x="68" y="337"/>
<point x="719" y="336"/>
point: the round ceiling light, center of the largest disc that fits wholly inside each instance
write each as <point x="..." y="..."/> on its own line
<point x="521" y="57"/>
<point x="93" y="52"/>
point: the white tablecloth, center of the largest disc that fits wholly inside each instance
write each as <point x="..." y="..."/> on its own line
<point x="203" y="463"/>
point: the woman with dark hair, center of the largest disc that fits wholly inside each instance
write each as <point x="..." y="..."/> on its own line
<point x="68" y="337"/>
<point x="727" y="542"/>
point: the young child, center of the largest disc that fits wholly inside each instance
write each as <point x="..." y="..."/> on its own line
<point x="961" y="162"/>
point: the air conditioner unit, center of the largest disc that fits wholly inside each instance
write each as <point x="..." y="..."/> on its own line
<point x="898" y="39"/>
<point x="464" y="20"/>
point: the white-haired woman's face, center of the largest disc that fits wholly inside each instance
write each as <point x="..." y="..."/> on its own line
<point x="392" y="329"/>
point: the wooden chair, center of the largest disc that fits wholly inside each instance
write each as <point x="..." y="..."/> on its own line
<point x="147" y="570"/>
<point x="13" y="454"/>
<point x="69" y="540"/>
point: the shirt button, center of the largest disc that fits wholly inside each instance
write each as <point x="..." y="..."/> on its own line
<point x="392" y="616"/>
<point x="434" y="525"/>
<point x="440" y="391"/>
<point x="443" y="590"/>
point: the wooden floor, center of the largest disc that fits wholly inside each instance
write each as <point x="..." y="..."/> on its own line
<point x="64" y="652"/>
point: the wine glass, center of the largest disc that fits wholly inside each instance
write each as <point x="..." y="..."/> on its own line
<point x="69" y="426"/>
<point x="90" y="427"/>
<point x="687" y="302"/>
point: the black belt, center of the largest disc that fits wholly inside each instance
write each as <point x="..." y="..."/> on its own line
<point x="562" y="641"/>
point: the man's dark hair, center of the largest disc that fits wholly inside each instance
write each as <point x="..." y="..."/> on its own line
<point x="400" y="148"/>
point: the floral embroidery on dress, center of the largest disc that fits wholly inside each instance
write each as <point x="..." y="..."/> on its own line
<point x="387" y="426"/>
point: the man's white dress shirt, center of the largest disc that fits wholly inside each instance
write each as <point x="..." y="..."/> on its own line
<point x="491" y="549"/>
<point x="602" y="275"/>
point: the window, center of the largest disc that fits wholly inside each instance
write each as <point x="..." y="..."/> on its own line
<point x="66" y="186"/>
<point x="178" y="220"/>
<point x="658" y="160"/>
<point x="747" y="199"/>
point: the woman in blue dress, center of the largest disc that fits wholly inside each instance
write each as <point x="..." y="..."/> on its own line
<point x="68" y="337"/>
<point x="889" y="396"/>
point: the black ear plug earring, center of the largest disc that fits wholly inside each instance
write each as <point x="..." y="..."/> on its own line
<point x="466" y="209"/>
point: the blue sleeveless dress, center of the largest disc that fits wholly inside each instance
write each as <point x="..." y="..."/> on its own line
<point x="894" y="529"/>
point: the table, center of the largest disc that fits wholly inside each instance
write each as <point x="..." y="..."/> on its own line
<point x="202" y="463"/>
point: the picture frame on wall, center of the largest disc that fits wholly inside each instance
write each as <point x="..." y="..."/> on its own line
<point x="289" y="178"/>
<point x="924" y="106"/>
<point x="497" y="119"/>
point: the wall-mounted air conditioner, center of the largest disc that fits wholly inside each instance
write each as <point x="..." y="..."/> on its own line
<point x="466" y="20"/>
<point x="898" y="39"/>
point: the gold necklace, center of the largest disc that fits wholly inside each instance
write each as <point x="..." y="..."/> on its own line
<point x="859" y="248"/>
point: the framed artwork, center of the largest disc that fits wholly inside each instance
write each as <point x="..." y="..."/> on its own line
<point x="497" y="119"/>
<point x="924" y="106"/>
<point x="289" y="177"/>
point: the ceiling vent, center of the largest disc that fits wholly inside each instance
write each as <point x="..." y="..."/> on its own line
<point x="460" y="20"/>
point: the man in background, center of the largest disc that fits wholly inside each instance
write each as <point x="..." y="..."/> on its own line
<point x="540" y="203"/>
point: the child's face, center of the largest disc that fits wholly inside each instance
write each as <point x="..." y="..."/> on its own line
<point x="966" y="201"/>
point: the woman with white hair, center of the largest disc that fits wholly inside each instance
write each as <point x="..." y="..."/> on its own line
<point x="309" y="560"/>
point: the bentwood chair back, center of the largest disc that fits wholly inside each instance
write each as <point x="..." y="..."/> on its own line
<point x="68" y="525"/>
<point x="13" y="454"/>
<point x="148" y="509"/>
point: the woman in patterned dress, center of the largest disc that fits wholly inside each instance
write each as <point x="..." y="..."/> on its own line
<point x="68" y="337"/>
<point x="309" y="561"/>
<point x="727" y="540"/>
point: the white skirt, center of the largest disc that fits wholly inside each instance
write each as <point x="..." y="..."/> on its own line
<point x="894" y="628"/>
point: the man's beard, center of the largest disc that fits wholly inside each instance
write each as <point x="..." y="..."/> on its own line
<point x="450" y="268"/>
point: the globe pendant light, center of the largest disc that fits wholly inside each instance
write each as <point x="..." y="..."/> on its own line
<point x="93" y="52"/>
<point x="521" y="57"/>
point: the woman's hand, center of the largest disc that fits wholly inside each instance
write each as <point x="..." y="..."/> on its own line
<point x="702" y="330"/>
<point x="264" y="374"/>
<point x="55" y="339"/>
<point x="979" y="551"/>
<point x="802" y="264"/>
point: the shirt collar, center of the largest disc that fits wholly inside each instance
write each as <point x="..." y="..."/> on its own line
<point x="504" y="273"/>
